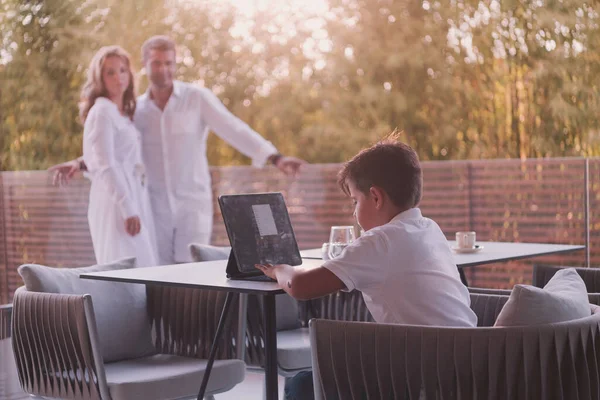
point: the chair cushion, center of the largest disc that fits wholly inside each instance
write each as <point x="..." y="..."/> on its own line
<point x="165" y="376"/>
<point x="120" y="308"/>
<point x="293" y="349"/>
<point x="286" y="311"/>
<point x="564" y="298"/>
<point x="205" y="252"/>
<point x="286" y="306"/>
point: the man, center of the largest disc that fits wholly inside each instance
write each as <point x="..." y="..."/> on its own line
<point x="174" y="119"/>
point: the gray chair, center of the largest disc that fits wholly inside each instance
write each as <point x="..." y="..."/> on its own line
<point x="293" y="340"/>
<point x="9" y="382"/>
<point x="5" y="317"/>
<point x="543" y="273"/>
<point x="58" y="354"/>
<point x="501" y="292"/>
<point x="353" y="360"/>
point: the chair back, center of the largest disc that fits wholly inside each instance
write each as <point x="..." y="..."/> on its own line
<point x="355" y="360"/>
<point x="487" y="307"/>
<point x="5" y="317"/>
<point x="543" y="273"/>
<point x="339" y="306"/>
<point x="54" y="340"/>
<point x="185" y="320"/>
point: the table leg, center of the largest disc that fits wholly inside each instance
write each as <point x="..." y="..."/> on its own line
<point x="271" y="389"/>
<point x="215" y="345"/>
<point x="463" y="277"/>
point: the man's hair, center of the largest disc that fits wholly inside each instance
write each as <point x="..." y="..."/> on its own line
<point x="159" y="42"/>
<point x="390" y="165"/>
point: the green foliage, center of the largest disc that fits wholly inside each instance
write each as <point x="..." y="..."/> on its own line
<point x="460" y="78"/>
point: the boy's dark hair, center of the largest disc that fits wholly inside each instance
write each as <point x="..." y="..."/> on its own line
<point x="390" y="165"/>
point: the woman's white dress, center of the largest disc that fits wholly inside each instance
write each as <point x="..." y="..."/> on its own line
<point x="112" y="154"/>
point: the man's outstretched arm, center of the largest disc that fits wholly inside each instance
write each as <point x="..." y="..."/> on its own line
<point x="242" y="137"/>
<point x="288" y="165"/>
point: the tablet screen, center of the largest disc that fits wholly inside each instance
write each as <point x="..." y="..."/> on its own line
<point x="259" y="229"/>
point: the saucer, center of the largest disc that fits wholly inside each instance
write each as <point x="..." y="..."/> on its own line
<point x="469" y="250"/>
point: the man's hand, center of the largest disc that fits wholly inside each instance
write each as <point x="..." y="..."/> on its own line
<point x="133" y="225"/>
<point x="64" y="172"/>
<point x="289" y="165"/>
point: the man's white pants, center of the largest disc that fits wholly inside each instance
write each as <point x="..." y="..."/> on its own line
<point x="174" y="233"/>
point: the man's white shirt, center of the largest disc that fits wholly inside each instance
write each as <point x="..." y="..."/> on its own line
<point x="174" y="153"/>
<point x="406" y="273"/>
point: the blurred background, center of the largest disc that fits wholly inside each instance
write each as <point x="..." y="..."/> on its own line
<point x="322" y="79"/>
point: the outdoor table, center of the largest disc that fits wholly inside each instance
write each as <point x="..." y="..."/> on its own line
<point x="211" y="275"/>
<point x="491" y="252"/>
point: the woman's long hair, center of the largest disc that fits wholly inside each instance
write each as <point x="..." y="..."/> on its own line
<point x="94" y="86"/>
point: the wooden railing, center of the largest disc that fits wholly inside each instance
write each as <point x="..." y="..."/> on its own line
<point x="537" y="200"/>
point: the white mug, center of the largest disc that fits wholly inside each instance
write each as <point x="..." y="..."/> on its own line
<point x="465" y="240"/>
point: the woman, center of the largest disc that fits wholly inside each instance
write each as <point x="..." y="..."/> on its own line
<point x="119" y="210"/>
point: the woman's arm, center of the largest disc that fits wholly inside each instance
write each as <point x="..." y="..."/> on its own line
<point x="99" y="133"/>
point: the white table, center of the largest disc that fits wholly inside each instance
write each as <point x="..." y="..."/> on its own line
<point x="211" y="275"/>
<point x="491" y="252"/>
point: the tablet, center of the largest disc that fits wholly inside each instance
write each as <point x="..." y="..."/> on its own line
<point x="259" y="230"/>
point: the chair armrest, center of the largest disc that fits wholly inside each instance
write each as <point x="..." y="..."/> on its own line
<point x="5" y="317"/>
<point x="184" y="321"/>
<point x="500" y="292"/>
<point x="594" y="298"/>
<point x="56" y="350"/>
<point x="487" y="307"/>
<point x="340" y="306"/>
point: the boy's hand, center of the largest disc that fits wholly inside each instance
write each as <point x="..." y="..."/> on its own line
<point x="267" y="269"/>
<point x="303" y="283"/>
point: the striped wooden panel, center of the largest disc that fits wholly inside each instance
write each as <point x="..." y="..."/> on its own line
<point x="532" y="201"/>
<point x="505" y="200"/>
<point x="45" y="224"/>
<point x="4" y="288"/>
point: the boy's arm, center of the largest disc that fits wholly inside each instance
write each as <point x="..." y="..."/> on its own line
<point x="303" y="283"/>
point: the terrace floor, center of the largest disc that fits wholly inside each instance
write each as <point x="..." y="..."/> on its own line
<point x="251" y="388"/>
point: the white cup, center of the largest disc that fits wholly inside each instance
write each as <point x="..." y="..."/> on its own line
<point x="465" y="240"/>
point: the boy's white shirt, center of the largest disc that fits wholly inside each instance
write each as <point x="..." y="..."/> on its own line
<point x="406" y="273"/>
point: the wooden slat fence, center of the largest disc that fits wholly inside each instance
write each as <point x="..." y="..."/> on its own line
<point x="538" y="200"/>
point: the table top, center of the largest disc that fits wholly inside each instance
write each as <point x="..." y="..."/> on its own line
<point x="491" y="252"/>
<point x="200" y="275"/>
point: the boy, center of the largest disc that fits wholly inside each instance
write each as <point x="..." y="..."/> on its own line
<point x="402" y="264"/>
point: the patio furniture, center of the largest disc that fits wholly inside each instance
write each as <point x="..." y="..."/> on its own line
<point x="353" y="360"/>
<point x="543" y="273"/>
<point x="5" y="317"/>
<point x="9" y="382"/>
<point x="60" y="354"/>
<point x="492" y="252"/>
<point x="291" y="316"/>
<point x="293" y="345"/>
<point x="211" y="275"/>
